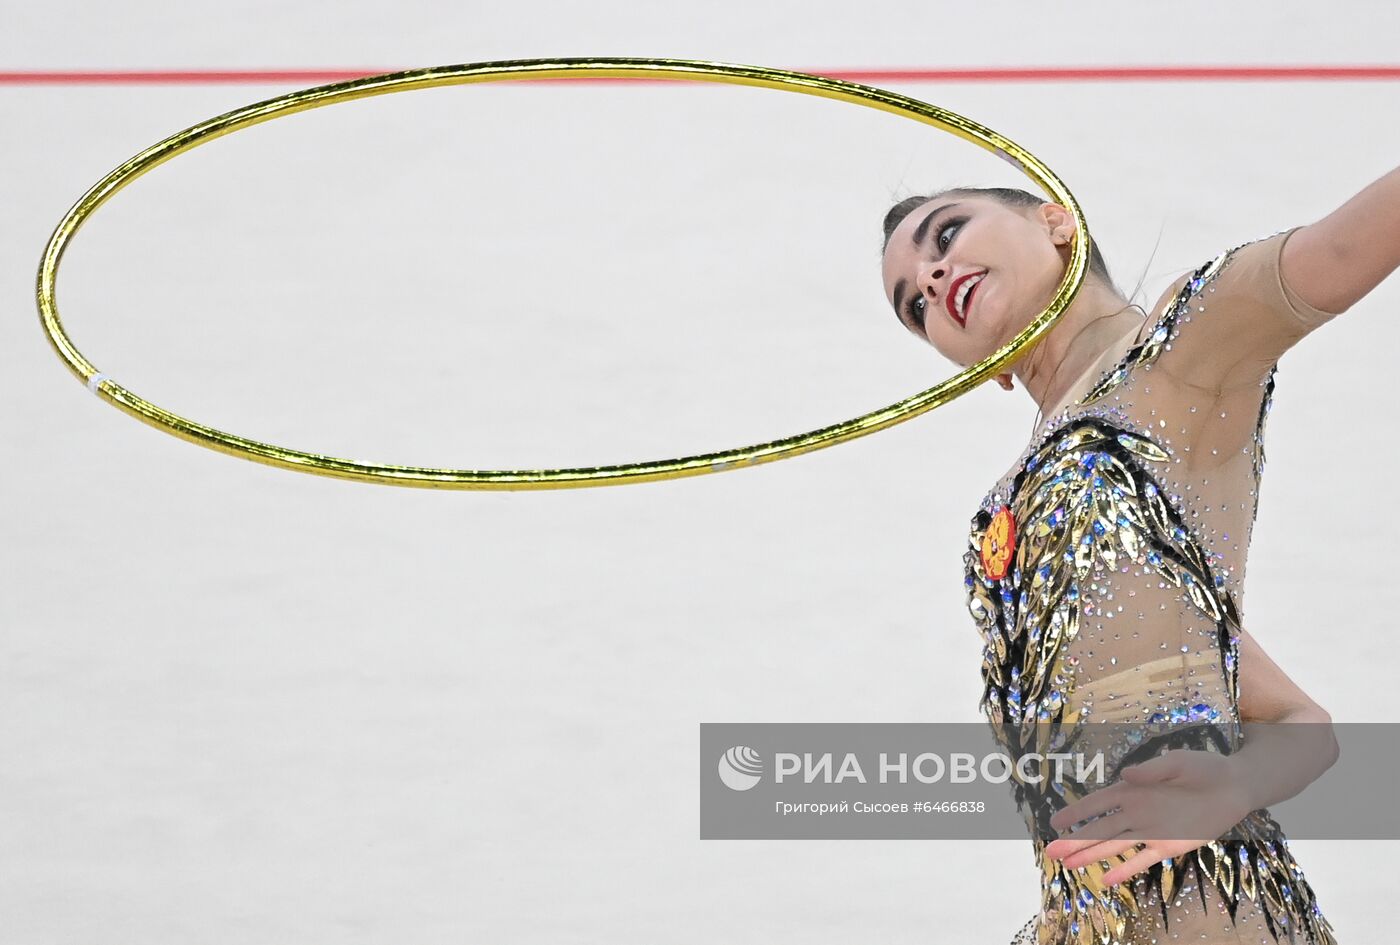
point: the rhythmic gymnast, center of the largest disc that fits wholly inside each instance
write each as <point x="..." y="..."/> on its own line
<point x="1105" y="570"/>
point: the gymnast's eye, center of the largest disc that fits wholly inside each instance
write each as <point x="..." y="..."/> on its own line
<point x="945" y="228"/>
<point x="916" y="309"/>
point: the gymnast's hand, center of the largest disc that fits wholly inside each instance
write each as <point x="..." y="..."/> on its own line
<point x="1187" y="796"/>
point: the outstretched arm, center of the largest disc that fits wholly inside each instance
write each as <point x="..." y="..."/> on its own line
<point x="1334" y="263"/>
<point x="1279" y="289"/>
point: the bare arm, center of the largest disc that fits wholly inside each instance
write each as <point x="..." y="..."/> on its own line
<point x="1278" y="760"/>
<point x="1331" y="265"/>
<point x="1166" y="804"/>
<point x="1334" y="263"/>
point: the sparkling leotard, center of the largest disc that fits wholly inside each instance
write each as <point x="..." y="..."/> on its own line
<point x="1105" y="572"/>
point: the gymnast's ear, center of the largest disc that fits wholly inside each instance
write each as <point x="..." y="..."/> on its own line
<point x="1056" y="218"/>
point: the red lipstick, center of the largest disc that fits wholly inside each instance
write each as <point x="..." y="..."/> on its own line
<point x="953" y="294"/>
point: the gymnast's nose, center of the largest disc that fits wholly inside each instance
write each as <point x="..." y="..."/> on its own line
<point x="930" y="282"/>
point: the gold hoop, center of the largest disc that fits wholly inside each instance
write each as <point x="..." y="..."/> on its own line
<point x="680" y="69"/>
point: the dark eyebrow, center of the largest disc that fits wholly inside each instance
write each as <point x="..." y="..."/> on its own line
<point x="920" y="232"/>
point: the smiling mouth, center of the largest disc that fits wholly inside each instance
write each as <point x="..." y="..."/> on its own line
<point x="967" y="303"/>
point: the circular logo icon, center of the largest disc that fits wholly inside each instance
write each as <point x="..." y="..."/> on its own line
<point x="740" y="768"/>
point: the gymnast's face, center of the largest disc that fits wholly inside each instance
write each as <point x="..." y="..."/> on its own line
<point x="954" y="236"/>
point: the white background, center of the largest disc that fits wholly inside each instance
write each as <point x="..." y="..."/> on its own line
<point x="244" y="705"/>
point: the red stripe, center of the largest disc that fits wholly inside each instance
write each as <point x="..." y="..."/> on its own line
<point x="187" y="77"/>
<point x="1022" y="74"/>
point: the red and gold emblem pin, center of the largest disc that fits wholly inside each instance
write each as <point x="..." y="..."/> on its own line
<point x="999" y="543"/>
